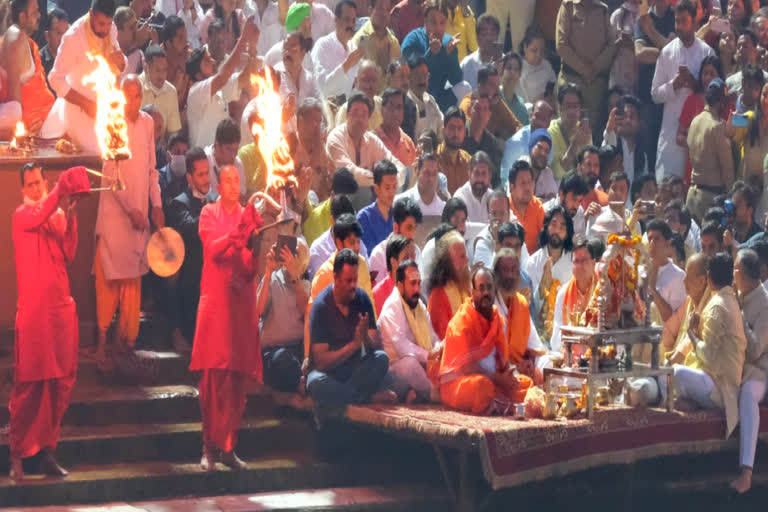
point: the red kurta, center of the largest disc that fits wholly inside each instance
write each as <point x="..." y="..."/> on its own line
<point x="46" y="325"/>
<point x="227" y="334"/>
<point x="46" y="318"/>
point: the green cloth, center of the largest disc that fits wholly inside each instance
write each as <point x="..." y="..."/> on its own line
<point x="296" y="14"/>
<point x="318" y="221"/>
<point x="517" y="107"/>
<point x="255" y="168"/>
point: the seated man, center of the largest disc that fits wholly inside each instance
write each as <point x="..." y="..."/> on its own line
<point x="484" y="244"/>
<point x="588" y="164"/>
<point x="478" y="136"/>
<point x="342" y="328"/>
<point x="526" y="207"/>
<point x="429" y="116"/>
<point x="476" y="191"/>
<point x="424" y="192"/>
<point x="573" y="297"/>
<point x="351" y="145"/>
<point x="399" y="248"/>
<point x="376" y="218"/>
<point x="571" y="191"/>
<point x="454" y="216"/>
<point x="405" y="217"/>
<point x="754" y="299"/>
<point x="20" y="57"/>
<point x="449" y="281"/>
<point x="367" y="82"/>
<point x="184" y="216"/>
<point x="306" y="152"/>
<point x="452" y="160"/>
<point x="665" y="279"/>
<point x="511" y="235"/>
<point x="502" y="122"/>
<point x="320" y="218"/>
<point x="718" y="347"/>
<point x="224" y="152"/>
<point x="324" y="246"/>
<point x="523" y="343"/>
<point x="516" y="146"/>
<point x="475" y="373"/>
<point x="407" y="334"/>
<point x="391" y="132"/>
<point x="57" y="25"/>
<point x="282" y="301"/>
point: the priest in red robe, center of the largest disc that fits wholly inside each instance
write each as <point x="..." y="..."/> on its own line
<point x="45" y="239"/>
<point x="226" y="347"/>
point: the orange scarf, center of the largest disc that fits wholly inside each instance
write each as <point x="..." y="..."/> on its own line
<point x="471" y="338"/>
<point x="518" y="327"/>
<point x="571" y="298"/>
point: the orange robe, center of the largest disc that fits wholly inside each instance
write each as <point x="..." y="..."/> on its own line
<point x="226" y="346"/>
<point x="36" y="98"/>
<point x="518" y="331"/>
<point x="441" y="307"/>
<point x="46" y="325"/>
<point x="469" y="339"/>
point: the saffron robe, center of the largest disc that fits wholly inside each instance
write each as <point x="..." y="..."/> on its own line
<point x="36" y="98"/>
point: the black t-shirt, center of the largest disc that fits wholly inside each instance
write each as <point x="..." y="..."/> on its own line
<point x="664" y="25"/>
<point x="327" y="324"/>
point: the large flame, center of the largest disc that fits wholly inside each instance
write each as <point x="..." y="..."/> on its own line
<point x="266" y="131"/>
<point x="111" y="128"/>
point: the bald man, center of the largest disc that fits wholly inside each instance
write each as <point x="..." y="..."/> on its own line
<point x="226" y="348"/>
<point x="123" y="227"/>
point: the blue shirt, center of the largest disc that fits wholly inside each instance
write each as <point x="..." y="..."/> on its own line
<point x="375" y="227"/>
<point x="515" y="149"/>
<point x="443" y="67"/>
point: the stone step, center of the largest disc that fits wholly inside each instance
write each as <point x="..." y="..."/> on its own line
<point x="130" y="443"/>
<point x="108" y="405"/>
<point x="400" y="498"/>
<point x="162" y="479"/>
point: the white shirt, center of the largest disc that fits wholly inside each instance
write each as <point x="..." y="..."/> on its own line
<point x="205" y="110"/>
<point x="671" y="157"/>
<point x="274" y="56"/>
<point x="69" y="69"/>
<point x="477" y="209"/>
<point x="396" y="335"/>
<point x="378" y="261"/>
<point x="342" y="151"/>
<point x="271" y="31"/>
<point x="428" y="115"/>
<point x="329" y="55"/>
<point x="469" y="67"/>
<point x="693" y="238"/>
<point x="307" y="88"/>
<point x="123" y="248"/>
<point x="435" y="208"/>
<point x="670" y="286"/>
<point x="216" y="169"/>
<point x="323" y="21"/>
<point x="579" y="220"/>
<point x="546" y="186"/>
<point x="192" y="25"/>
<point x="322" y="248"/>
<point x="533" y="80"/>
<point x="485" y="249"/>
<point x="562" y="270"/>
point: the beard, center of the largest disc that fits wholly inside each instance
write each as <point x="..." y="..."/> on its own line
<point x="478" y="189"/>
<point x="507" y="285"/>
<point x="413" y="301"/>
<point x="592" y="180"/>
<point x="555" y="242"/>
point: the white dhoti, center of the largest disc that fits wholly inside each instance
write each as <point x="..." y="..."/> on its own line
<point x="67" y="118"/>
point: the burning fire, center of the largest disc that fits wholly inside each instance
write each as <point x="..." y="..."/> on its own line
<point x="266" y="130"/>
<point x="111" y="128"/>
<point x="19" y="135"/>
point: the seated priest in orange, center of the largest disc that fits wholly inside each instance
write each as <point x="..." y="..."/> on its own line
<point x="20" y="57"/>
<point x="449" y="281"/>
<point x="475" y="373"/>
<point x="226" y="348"/>
<point x="45" y="240"/>
<point x="523" y="342"/>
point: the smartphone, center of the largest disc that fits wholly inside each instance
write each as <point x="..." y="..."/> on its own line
<point x="362" y="43"/>
<point x="739" y="121"/>
<point x="721" y="25"/>
<point x="285" y="240"/>
<point x="497" y="50"/>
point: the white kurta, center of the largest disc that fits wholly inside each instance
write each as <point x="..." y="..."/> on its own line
<point x="342" y="151"/>
<point x="433" y="209"/>
<point x="69" y="69"/>
<point x="670" y="286"/>
<point x="579" y="220"/>
<point x="306" y="88"/>
<point x="192" y="25"/>
<point x="671" y="157"/>
<point x="428" y="115"/>
<point x="396" y="335"/>
<point x="477" y="209"/>
<point x="484" y="249"/>
<point x="562" y="270"/>
<point x="206" y="110"/>
<point x="329" y="55"/>
<point x="123" y="249"/>
<point x="271" y="31"/>
<point x="546" y="185"/>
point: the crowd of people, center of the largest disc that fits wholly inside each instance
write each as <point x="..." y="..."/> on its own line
<point x="520" y="134"/>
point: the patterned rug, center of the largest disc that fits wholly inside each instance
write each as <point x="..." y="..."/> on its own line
<point x="514" y="452"/>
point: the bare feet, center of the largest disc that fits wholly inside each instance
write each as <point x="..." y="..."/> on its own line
<point x="232" y="461"/>
<point x="17" y="470"/>
<point x="744" y="482"/>
<point x="411" y="397"/>
<point x="385" y="396"/>
<point x="50" y="466"/>
<point x="180" y="343"/>
<point x="207" y="462"/>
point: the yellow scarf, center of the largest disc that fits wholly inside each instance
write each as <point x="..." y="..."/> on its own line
<point x="455" y="295"/>
<point x="417" y="321"/>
